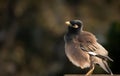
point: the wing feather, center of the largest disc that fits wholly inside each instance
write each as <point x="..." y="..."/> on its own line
<point x="88" y="43"/>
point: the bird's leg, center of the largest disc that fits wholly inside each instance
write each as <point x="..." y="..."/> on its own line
<point x="92" y="66"/>
<point x="91" y="70"/>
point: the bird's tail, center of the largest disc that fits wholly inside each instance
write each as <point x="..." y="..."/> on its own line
<point x="105" y="66"/>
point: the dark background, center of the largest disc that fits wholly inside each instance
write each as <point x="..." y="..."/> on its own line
<point x="32" y="34"/>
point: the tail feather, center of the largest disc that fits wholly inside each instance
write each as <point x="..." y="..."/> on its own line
<point x="109" y="58"/>
<point x="105" y="66"/>
<point x="105" y="57"/>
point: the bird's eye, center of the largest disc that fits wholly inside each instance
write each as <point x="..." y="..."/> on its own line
<point x="75" y="26"/>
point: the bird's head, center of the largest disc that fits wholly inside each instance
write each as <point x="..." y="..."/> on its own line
<point x="74" y="25"/>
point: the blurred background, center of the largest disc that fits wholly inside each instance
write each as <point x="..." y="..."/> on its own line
<point x="32" y="34"/>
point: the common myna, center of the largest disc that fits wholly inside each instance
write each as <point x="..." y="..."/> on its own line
<point x="82" y="48"/>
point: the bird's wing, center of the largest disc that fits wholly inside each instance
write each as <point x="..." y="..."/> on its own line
<point x="88" y="43"/>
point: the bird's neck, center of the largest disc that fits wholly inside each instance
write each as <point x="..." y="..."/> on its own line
<point x="74" y="31"/>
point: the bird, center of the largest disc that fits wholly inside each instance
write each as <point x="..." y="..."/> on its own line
<point x="83" y="49"/>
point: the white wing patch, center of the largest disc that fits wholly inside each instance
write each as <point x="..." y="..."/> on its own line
<point x="92" y="53"/>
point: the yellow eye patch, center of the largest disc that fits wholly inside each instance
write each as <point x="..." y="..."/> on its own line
<point x="75" y="26"/>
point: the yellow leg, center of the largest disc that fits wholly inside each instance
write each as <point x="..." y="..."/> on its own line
<point x="90" y="71"/>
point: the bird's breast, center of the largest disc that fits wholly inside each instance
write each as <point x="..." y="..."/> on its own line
<point x="76" y="55"/>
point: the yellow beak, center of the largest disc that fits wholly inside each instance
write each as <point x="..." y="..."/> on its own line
<point x="67" y="23"/>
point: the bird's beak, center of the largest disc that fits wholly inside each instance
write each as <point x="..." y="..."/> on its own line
<point x="67" y="23"/>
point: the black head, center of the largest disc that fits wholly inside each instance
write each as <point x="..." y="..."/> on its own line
<point x="74" y="26"/>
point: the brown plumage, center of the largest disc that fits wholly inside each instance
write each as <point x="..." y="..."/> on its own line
<point x="82" y="48"/>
